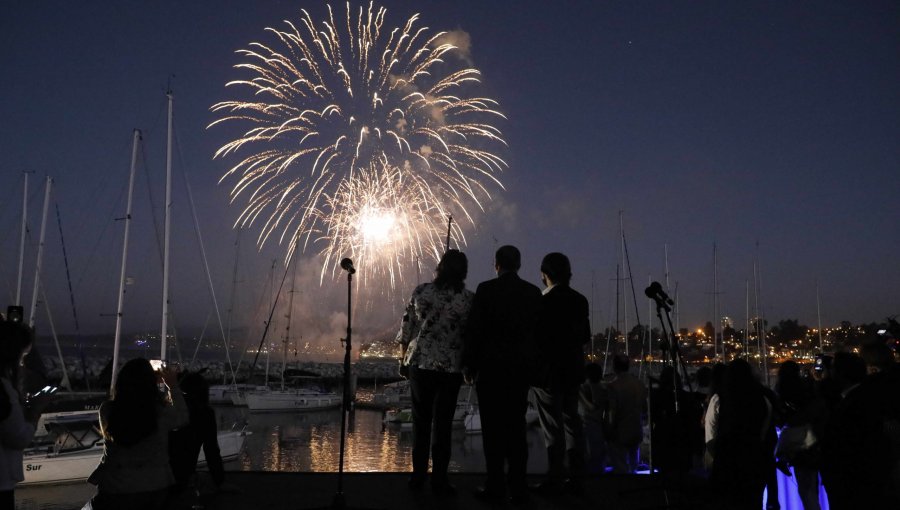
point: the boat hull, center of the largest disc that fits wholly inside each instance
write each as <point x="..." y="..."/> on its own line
<point x="43" y="468"/>
<point x="289" y="400"/>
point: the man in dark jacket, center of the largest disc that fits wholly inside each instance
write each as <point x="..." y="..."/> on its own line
<point x="563" y="329"/>
<point x="499" y="353"/>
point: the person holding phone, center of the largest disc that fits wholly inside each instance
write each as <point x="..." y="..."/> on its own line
<point x="134" y="472"/>
<point x="17" y="420"/>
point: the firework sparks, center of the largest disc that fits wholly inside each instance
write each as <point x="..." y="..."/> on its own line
<point x="360" y="140"/>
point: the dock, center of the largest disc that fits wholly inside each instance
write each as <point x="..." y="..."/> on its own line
<point x="388" y="491"/>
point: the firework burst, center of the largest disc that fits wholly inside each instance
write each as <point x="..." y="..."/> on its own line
<point x="360" y="139"/>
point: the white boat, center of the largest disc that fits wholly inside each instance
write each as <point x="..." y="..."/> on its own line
<point x="230" y="394"/>
<point x="395" y="394"/>
<point x="398" y="417"/>
<point x="297" y="399"/>
<point x="45" y="465"/>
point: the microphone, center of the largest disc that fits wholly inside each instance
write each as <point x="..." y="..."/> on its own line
<point x="347" y="265"/>
<point x="656" y="293"/>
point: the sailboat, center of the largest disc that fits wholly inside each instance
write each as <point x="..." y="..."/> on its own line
<point x="285" y="398"/>
<point x="71" y="445"/>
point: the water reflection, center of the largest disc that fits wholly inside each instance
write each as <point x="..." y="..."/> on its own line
<point x="310" y="442"/>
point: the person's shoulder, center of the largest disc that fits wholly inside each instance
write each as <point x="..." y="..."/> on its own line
<point x="530" y="287"/>
<point x="487" y="285"/>
<point x="423" y="288"/>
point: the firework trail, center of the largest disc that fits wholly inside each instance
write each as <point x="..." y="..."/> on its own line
<point x="360" y="140"/>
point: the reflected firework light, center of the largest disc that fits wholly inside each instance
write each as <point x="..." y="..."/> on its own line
<point x="360" y="139"/>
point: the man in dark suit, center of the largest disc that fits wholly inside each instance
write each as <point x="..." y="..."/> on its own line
<point x="499" y="353"/>
<point x="563" y="329"/>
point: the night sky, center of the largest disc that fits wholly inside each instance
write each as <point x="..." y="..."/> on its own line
<point x="769" y="129"/>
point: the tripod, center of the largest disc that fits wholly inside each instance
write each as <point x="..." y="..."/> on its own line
<point x="671" y="357"/>
<point x="669" y="346"/>
<point x="339" y="502"/>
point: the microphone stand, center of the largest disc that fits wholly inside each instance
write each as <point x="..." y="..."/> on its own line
<point x="339" y="502"/>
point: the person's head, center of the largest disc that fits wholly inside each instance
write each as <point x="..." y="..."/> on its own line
<point x="135" y="403"/>
<point x="556" y="269"/>
<point x="789" y="370"/>
<point x="739" y="379"/>
<point x="15" y="344"/>
<point x="620" y="363"/>
<point x="507" y="259"/>
<point x="136" y="381"/>
<point x="789" y="385"/>
<point x="877" y="355"/>
<point x="195" y="390"/>
<point x="849" y="369"/>
<point x="452" y="270"/>
<point x="704" y="377"/>
<point x="593" y="372"/>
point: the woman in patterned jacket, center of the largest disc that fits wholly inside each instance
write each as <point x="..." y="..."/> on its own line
<point x="431" y="340"/>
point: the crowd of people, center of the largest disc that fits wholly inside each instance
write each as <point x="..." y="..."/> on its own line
<point x="836" y="425"/>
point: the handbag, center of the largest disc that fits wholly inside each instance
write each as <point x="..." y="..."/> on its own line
<point x="795" y="440"/>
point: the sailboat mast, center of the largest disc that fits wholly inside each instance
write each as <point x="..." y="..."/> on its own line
<point x="121" y="306"/>
<point x="40" y="253"/>
<point x="765" y="347"/>
<point x="819" y="319"/>
<point x="22" y="240"/>
<point x="715" y="323"/>
<point x="747" y="317"/>
<point x="234" y="274"/>
<point x="624" y="291"/>
<point x="163" y="354"/>
<point x="287" y="330"/>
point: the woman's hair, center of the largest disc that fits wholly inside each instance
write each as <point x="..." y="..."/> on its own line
<point x="15" y="338"/>
<point x="135" y="404"/>
<point x="790" y="386"/>
<point x="742" y="408"/>
<point x="452" y="271"/>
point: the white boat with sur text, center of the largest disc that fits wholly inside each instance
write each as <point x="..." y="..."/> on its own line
<point x="49" y="465"/>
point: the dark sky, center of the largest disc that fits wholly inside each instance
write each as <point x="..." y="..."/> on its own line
<point x="726" y="123"/>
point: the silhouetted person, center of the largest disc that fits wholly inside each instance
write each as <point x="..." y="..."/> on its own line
<point x="627" y="401"/>
<point x="17" y="417"/>
<point x="856" y="456"/>
<point x="594" y="398"/>
<point x="803" y="420"/>
<point x="431" y="337"/>
<point x="884" y="375"/>
<point x="563" y="329"/>
<point x="742" y="460"/>
<point x="200" y="432"/>
<point x="134" y="472"/>
<point x="500" y="355"/>
<point x="711" y="412"/>
<point x="676" y="429"/>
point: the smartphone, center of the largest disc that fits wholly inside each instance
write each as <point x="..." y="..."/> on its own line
<point x="157" y="364"/>
<point x="15" y="313"/>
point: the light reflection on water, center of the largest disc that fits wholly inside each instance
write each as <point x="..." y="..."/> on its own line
<point x="309" y="442"/>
